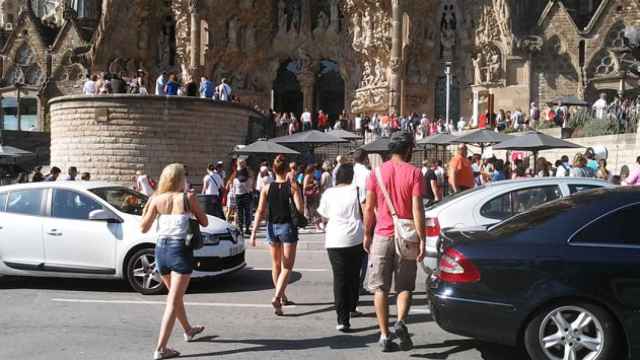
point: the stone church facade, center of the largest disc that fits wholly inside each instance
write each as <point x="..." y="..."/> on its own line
<point x="360" y="56"/>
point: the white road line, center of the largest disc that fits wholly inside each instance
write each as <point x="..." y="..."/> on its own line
<point x="420" y="311"/>
<point x="294" y="269"/>
<point x="140" y="302"/>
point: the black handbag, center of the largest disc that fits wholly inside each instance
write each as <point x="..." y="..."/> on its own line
<point x="194" y="236"/>
<point x="297" y="219"/>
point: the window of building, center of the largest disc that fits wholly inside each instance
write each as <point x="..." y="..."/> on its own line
<point x="28" y="113"/>
<point x="616" y="228"/>
<point x="26" y="202"/>
<point x="72" y="205"/>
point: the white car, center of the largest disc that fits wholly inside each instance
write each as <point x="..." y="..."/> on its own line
<point x="92" y="230"/>
<point x="490" y="204"/>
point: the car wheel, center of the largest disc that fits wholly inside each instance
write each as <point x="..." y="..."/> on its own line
<point x="142" y="274"/>
<point x="577" y="331"/>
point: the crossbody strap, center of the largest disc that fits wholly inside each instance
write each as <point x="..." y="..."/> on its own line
<point x="387" y="198"/>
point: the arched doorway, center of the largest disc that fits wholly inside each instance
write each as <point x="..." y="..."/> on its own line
<point x="287" y="94"/>
<point x="330" y="90"/>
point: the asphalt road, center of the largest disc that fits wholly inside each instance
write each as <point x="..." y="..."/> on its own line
<point x="87" y="319"/>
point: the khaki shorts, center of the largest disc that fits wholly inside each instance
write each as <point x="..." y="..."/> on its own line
<point x="385" y="265"/>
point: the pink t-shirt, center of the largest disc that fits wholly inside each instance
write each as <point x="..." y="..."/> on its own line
<point x="634" y="178"/>
<point x="403" y="182"/>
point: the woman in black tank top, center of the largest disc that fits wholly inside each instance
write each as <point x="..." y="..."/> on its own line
<point x="282" y="235"/>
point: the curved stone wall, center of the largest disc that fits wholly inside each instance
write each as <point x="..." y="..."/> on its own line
<point x="113" y="136"/>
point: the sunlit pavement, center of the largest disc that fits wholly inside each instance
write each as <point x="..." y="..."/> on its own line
<point x="89" y="319"/>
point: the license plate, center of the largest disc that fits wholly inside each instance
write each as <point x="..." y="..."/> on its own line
<point x="235" y="250"/>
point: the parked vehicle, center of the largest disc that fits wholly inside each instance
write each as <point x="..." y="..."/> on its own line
<point x="92" y="230"/>
<point x="562" y="279"/>
<point x="490" y="204"/>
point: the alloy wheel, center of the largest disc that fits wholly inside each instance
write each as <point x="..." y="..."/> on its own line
<point x="571" y="333"/>
<point x="145" y="274"/>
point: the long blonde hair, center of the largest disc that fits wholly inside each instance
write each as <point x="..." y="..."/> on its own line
<point x="172" y="179"/>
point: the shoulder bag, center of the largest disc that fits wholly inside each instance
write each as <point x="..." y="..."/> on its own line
<point x="297" y="219"/>
<point x="194" y="236"/>
<point x="405" y="235"/>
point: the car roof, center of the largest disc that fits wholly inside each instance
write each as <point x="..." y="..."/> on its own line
<point x="76" y="185"/>
<point x="544" y="180"/>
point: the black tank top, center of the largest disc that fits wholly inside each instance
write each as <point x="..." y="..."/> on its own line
<point x="278" y="200"/>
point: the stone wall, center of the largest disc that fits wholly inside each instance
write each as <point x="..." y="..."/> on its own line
<point x="113" y="136"/>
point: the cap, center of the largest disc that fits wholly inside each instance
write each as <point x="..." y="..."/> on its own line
<point x="220" y="163"/>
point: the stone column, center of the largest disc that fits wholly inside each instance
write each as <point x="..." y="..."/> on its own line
<point x="476" y="108"/>
<point x="196" y="36"/>
<point x="395" y="80"/>
<point x="307" y="84"/>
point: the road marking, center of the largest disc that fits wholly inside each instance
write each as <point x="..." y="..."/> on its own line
<point x="140" y="302"/>
<point x="420" y="311"/>
<point x="294" y="269"/>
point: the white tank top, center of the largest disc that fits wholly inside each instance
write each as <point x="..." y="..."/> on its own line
<point x="173" y="226"/>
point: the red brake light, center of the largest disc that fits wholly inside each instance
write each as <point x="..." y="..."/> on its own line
<point x="455" y="268"/>
<point x="433" y="227"/>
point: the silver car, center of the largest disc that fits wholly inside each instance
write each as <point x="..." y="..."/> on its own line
<point x="490" y="204"/>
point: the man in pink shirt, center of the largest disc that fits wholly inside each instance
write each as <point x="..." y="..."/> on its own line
<point x="634" y="177"/>
<point x="404" y="183"/>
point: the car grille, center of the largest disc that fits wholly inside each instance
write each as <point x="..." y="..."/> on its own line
<point x="214" y="264"/>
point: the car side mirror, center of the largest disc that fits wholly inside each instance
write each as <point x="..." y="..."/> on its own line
<point x="104" y="215"/>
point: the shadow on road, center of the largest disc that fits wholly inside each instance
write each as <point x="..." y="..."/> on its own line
<point x="487" y="351"/>
<point x="241" y="281"/>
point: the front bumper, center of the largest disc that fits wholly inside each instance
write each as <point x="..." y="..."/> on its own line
<point x="216" y="266"/>
<point x="480" y="319"/>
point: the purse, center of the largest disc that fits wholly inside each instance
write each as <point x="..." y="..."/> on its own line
<point x="297" y="219"/>
<point x="405" y="235"/>
<point x="194" y="236"/>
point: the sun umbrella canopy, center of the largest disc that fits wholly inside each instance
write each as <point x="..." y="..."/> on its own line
<point x="482" y="137"/>
<point x="535" y="141"/>
<point x="569" y="101"/>
<point x="265" y="147"/>
<point x="438" y="139"/>
<point x="10" y="151"/>
<point x="343" y="134"/>
<point x="379" y="146"/>
<point x="312" y="137"/>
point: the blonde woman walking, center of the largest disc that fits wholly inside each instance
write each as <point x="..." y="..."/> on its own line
<point x="169" y="210"/>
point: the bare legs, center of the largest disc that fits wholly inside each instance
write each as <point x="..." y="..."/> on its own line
<point x="282" y="260"/>
<point x="381" y="301"/>
<point x="177" y="285"/>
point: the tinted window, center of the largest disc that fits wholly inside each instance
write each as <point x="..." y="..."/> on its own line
<point x="576" y="188"/>
<point x="123" y="199"/>
<point x="515" y="202"/>
<point x="27" y="202"/>
<point x="615" y="228"/>
<point x="3" y="202"/>
<point x="72" y="205"/>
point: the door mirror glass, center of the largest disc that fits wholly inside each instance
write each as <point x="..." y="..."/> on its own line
<point x="103" y="215"/>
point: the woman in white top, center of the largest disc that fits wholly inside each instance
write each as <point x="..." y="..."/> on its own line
<point x="242" y="190"/>
<point x="170" y="210"/>
<point x="340" y="207"/>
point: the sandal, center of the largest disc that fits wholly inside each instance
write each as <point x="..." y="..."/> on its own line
<point x="277" y="306"/>
<point x="165" y="354"/>
<point x="287" y="302"/>
<point x="195" y="330"/>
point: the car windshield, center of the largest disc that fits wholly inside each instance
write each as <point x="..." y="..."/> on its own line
<point x="454" y="197"/>
<point x="123" y="199"/>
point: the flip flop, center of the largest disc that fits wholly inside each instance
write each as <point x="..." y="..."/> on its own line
<point x="195" y="330"/>
<point x="165" y="354"/>
<point x="277" y="307"/>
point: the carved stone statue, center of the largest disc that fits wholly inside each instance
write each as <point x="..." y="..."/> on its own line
<point x="357" y="29"/>
<point x="233" y="33"/>
<point x="502" y="11"/>
<point x="323" y="22"/>
<point x="380" y="73"/>
<point x="367" y="25"/>
<point x="164" y="44"/>
<point x="478" y="62"/>
<point x="295" y="20"/>
<point x="249" y="38"/>
<point x="448" y="28"/>
<point x="368" y="78"/>
<point x="282" y="17"/>
<point x="493" y="67"/>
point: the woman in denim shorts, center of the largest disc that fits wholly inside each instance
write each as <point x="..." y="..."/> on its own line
<point x="169" y="211"/>
<point x="282" y="235"/>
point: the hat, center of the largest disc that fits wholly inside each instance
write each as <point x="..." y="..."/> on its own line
<point x="401" y="139"/>
<point x="220" y="163"/>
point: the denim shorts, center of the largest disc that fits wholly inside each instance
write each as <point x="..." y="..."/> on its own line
<point x="173" y="256"/>
<point x="281" y="234"/>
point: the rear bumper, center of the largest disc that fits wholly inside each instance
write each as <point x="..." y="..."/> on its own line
<point x="480" y="319"/>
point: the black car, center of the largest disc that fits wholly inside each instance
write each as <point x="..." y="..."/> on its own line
<point x="563" y="279"/>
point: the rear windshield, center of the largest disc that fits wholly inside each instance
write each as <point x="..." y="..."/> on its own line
<point x="533" y="218"/>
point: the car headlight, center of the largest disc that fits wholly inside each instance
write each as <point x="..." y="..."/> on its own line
<point x="210" y="239"/>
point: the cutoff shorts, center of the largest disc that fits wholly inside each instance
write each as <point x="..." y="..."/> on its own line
<point x="282" y="234"/>
<point x="385" y="267"/>
<point x="173" y="256"/>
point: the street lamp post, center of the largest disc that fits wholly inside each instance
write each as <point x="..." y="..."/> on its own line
<point x="447" y="72"/>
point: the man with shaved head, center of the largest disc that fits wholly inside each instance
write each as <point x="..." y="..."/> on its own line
<point x="460" y="171"/>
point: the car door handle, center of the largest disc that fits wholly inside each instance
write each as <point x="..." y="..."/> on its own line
<point x="54" y="232"/>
